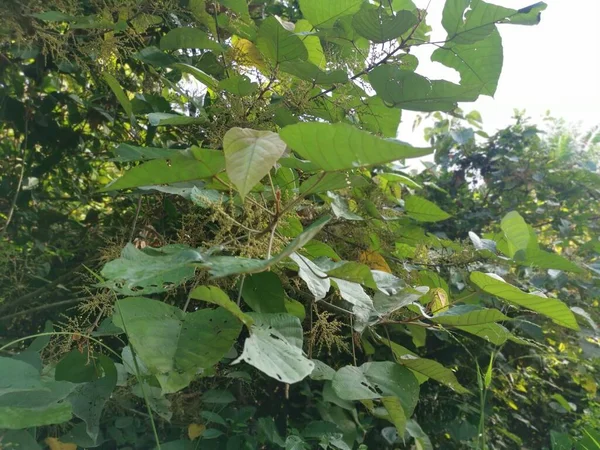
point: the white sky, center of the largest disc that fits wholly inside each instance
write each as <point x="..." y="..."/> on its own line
<point x="553" y="66"/>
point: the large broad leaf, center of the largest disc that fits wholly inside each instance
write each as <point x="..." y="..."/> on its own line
<point x="341" y="146"/>
<point x="424" y="368"/>
<point x="491" y="332"/>
<point x="238" y="85"/>
<point x="479" y="64"/>
<point x="138" y="273"/>
<point x="28" y="400"/>
<point x="312" y="43"/>
<point x="249" y="156"/>
<point x="377" y="25"/>
<point x="264" y="293"/>
<point x="88" y="399"/>
<point x="180" y="38"/>
<point x="310" y="72"/>
<point x="174" y="345"/>
<point x="198" y="74"/>
<point x="222" y="266"/>
<point x="465" y="315"/>
<point x="375" y="380"/>
<point x="550" y="307"/>
<point x="212" y="294"/>
<point x="185" y="165"/>
<point x="274" y="348"/>
<point x="423" y="210"/>
<point x="362" y="305"/>
<point x="468" y="21"/>
<point x="278" y="44"/>
<point x="160" y="119"/>
<point x="128" y="152"/>
<point x="516" y="232"/>
<point x="324" y="13"/>
<point x="379" y="118"/>
<point x="409" y="90"/>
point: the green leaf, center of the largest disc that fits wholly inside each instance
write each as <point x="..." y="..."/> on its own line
<point x="250" y="155"/>
<point x="550" y="307"/>
<point x="238" y="85"/>
<point x="491" y="332"/>
<point x="172" y="344"/>
<point x="28" y="400"/>
<point x="325" y="13"/>
<point x="127" y="153"/>
<point x="263" y="292"/>
<point x="278" y="44"/>
<point x="184" y="38"/>
<point x="375" y="380"/>
<point x="377" y="25"/>
<point x="341" y="146"/>
<point x="186" y="165"/>
<point x="396" y="413"/>
<point x="465" y="315"/>
<point x="119" y="93"/>
<point x="376" y="117"/>
<point x="212" y="294"/>
<point x="238" y="6"/>
<point x="424" y="368"/>
<point x="53" y="16"/>
<point x="162" y="119"/>
<point x="479" y="64"/>
<point x="155" y="57"/>
<point x="275" y="348"/>
<point x="19" y="440"/>
<point x="362" y="305"/>
<point x="88" y="399"/>
<point x="353" y="271"/>
<point x="312" y="43"/>
<point x="310" y="72"/>
<point x="137" y="272"/>
<point x="423" y="210"/>
<point x="468" y="21"/>
<point x="198" y="74"/>
<point x="537" y="257"/>
<point x="222" y="266"/>
<point x="75" y="367"/>
<point x="331" y="181"/>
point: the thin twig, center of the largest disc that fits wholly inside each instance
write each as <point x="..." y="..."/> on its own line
<point x="137" y="215"/>
<point x="13" y="205"/>
<point x="44" y="307"/>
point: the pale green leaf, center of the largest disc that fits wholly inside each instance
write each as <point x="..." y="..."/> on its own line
<point x="127" y="153"/>
<point x="317" y="281"/>
<point x="212" y="294"/>
<point x="250" y="155"/>
<point x="163" y="119"/>
<point x="396" y="413"/>
<point x="184" y="165"/>
<point x="465" y="315"/>
<point x="172" y="344"/>
<point x="312" y="43"/>
<point x="310" y="72"/>
<point x="491" y="332"/>
<point x="273" y="348"/>
<point x="341" y="146"/>
<point x="423" y="210"/>
<point x="549" y="307"/>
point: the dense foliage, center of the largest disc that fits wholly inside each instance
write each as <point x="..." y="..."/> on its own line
<point x="211" y="237"/>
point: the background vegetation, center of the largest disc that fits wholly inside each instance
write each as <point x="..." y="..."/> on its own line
<point x="211" y="238"/>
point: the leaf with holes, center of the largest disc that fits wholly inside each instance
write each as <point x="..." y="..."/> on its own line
<point x="138" y="272"/>
<point x="273" y="348"/>
<point x="174" y="345"/>
<point x="249" y="156"/>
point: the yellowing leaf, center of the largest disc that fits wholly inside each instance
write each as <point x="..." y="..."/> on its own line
<point x="55" y="444"/>
<point x="374" y="260"/>
<point x="195" y="430"/>
<point x="246" y="53"/>
<point x="439" y="303"/>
